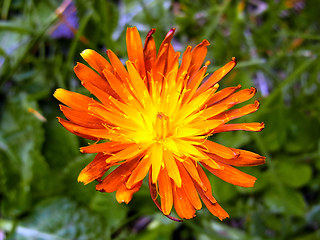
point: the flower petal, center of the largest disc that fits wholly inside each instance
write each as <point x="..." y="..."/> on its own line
<point x="87" y="75"/>
<point x="255" y="127"/>
<point x="140" y="89"/>
<point x="102" y="95"/>
<point x="154" y="193"/>
<point x="167" y="39"/>
<point x="95" y="60"/>
<point x="106" y="147"/>
<point x="219" y="150"/>
<point x="133" y="151"/>
<point x="165" y="191"/>
<point x="113" y="180"/>
<point x="205" y="180"/>
<point x="245" y="159"/>
<point x="81" y="117"/>
<point x="192" y="170"/>
<point x="182" y="204"/>
<point x="124" y="194"/>
<point x="194" y="83"/>
<point x="198" y="55"/>
<point x="239" y="112"/>
<point x="140" y="172"/>
<point x="156" y="158"/>
<point x="88" y="133"/>
<point x="117" y="66"/>
<point x="185" y="63"/>
<point x="94" y="170"/>
<point x="149" y="51"/>
<point x="232" y="175"/>
<point x="248" y="158"/>
<point x="222" y="94"/>
<point x="112" y="117"/>
<point x="217" y="76"/>
<point x="135" y="50"/>
<point x="189" y="187"/>
<point x="121" y="89"/>
<point x="214" y="208"/>
<point x="73" y="100"/>
<point x="172" y="168"/>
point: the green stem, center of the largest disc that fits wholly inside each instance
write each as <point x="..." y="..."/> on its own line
<point x="214" y="23"/>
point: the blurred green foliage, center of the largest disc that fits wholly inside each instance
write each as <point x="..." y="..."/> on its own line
<point x="277" y="47"/>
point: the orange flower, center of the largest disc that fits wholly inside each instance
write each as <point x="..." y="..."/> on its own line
<point x="155" y="117"/>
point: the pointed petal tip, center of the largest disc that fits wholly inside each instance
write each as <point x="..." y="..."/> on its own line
<point x="86" y="53"/>
<point x="109" y="51"/>
<point x="251" y="183"/>
<point x="57" y="92"/>
<point x="151" y="32"/>
<point x="263" y="159"/>
<point x="171" y="32"/>
<point x="130" y="28"/>
<point x="261" y="126"/>
<point x="84" y="178"/>
<point x="205" y="42"/>
<point x="253" y="90"/>
<point x="76" y="66"/>
<point x="257" y="104"/>
<point x="221" y="218"/>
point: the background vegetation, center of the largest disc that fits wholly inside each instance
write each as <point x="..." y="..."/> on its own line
<point x="277" y="46"/>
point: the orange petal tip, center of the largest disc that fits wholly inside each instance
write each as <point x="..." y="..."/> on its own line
<point x="205" y="42"/>
<point x="76" y="66"/>
<point x="253" y="90"/>
<point x="262" y="127"/>
<point x="251" y="184"/>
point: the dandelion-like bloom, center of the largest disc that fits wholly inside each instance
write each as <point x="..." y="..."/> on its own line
<point x="154" y="117"/>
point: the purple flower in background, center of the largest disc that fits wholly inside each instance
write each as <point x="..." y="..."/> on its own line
<point x="69" y="22"/>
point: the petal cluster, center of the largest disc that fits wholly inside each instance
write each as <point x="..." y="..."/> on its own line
<point x="153" y="117"/>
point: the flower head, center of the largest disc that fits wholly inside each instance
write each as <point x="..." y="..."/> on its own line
<point x="153" y="117"/>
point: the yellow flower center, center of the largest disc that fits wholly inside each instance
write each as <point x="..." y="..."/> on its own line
<point x="161" y="126"/>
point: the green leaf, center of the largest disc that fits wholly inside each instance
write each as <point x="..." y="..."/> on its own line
<point x="106" y="205"/>
<point x="302" y="133"/>
<point x="21" y="141"/>
<point x="275" y="133"/>
<point x="59" y="140"/>
<point x="286" y="201"/>
<point x="62" y="218"/>
<point x="293" y="174"/>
